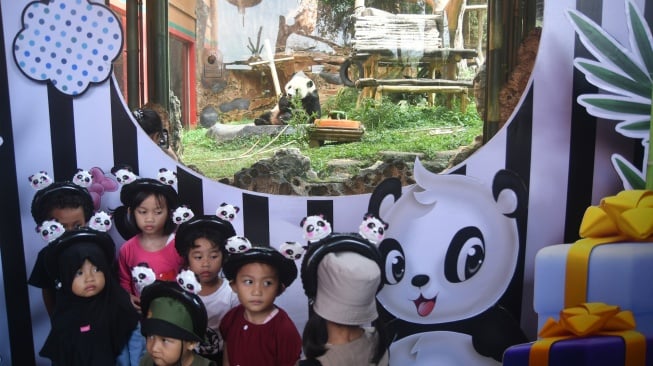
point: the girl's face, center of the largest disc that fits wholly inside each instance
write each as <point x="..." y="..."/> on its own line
<point x="151" y="215"/>
<point x="257" y="285"/>
<point x="88" y="280"/>
<point x="167" y="351"/>
<point x="205" y="260"/>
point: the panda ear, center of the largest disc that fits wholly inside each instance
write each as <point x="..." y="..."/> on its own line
<point x="237" y="209"/>
<point x="509" y="192"/>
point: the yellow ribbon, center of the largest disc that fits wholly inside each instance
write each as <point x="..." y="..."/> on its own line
<point x="626" y="216"/>
<point x="589" y="319"/>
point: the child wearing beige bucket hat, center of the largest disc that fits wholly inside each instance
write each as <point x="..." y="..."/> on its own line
<point x="341" y="275"/>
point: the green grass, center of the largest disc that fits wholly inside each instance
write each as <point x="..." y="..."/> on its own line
<point x="389" y="126"/>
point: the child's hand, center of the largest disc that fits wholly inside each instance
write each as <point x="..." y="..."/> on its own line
<point x="136" y="301"/>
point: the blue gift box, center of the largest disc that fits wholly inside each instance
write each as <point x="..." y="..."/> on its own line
<point x="589" y="351"/>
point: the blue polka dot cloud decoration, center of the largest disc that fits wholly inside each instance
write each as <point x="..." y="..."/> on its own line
<point x="68" y="43"/>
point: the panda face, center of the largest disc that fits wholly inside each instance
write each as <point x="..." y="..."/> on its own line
<point x="40" y="180"/>
<point x="300" y="85"/>
<point x="142" y="275"/>
<point x="166" y="176"/>
<point x="449" y="252"/>
<point x="125" y="176"/>
<point x="83" y="178"/>
<point x="315" y="228"/>
<point x="227" y="212"/>
<point x="182" y="214"/>
<point x="372" y="228"/>
<point x="292" y="250"/>
<point x="238" y="244"/>
<point x="49" y="230"/>
<point x="188" y="281"/>
<point x="100" y="221"/>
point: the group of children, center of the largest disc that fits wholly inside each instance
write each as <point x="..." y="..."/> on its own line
<point x="99" y="314"/>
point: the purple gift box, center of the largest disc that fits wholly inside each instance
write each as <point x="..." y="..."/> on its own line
<point x="589" y="351"/>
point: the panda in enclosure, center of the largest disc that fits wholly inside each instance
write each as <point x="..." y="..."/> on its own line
<point x="301" y="85"/>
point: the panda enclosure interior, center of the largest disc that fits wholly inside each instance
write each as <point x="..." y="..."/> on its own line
<point x="242" y="90"/>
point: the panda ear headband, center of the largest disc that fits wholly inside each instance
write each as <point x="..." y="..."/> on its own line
<point x="46" y="189"/>
<point x="79" y="236"/>
<point x="334" y="243"/>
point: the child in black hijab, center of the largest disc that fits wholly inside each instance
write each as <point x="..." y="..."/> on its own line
<point x="93" y="317"/>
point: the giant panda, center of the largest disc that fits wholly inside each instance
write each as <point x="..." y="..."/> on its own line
<point x="301" y="85"/>
<point x="450" y="252"/>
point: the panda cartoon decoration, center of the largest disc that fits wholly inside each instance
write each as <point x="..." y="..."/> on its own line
<point x="299" y="85"/>
<point x="450" y="253"/>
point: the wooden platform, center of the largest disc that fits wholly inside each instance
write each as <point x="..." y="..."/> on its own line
<point x="337" y="130"/>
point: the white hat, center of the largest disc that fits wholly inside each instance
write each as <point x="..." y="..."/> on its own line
<point x="346" y="288"/>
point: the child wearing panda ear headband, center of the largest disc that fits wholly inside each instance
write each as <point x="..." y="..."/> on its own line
<point x="341" y="275"/>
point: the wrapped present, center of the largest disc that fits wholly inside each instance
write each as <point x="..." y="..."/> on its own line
<point x="612" y="263"/>
<point x="588" y="334"/>
<point x="594" y="351"/>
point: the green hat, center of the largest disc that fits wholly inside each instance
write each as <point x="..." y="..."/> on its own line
<point x="170" y="311"/>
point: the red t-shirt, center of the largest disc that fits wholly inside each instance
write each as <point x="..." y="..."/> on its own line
<point x="276" y="342"/>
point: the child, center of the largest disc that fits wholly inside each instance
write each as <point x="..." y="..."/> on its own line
<point x="201" y="241"/>
<point x="93" y="317"/>
<point x="341" y="275"/>
<point x="150" y="122"/>
<point x="148" y="203"/>
<point x="257" y="332"/>
<point x="174" y="323"/>
<point x="72" y="206"/>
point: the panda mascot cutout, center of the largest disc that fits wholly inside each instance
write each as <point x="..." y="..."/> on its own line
<point x="450" y="252"/>
<point x="299" y="85"/>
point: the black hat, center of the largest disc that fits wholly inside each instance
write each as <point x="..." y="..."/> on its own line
<point x="334" y="243"/>
<point x="84" y="236"/>
<point x="41" y="198"/>
<point x="171" y="311"/>
<point x="285" y="267"/>
<point x="130" y="190"/>
<point x="186" y="230"/>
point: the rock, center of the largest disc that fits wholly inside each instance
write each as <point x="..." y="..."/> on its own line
<point x="238" y="103"/>
<point x="208" y="117"/>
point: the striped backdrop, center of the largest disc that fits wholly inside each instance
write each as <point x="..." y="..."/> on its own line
<point x="561" y="152"/>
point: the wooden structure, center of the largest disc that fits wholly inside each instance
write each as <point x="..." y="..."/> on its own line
<point x="384" y="42"/>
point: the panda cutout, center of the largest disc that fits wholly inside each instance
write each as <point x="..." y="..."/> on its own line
<point x="227" y="212"/>
<point x="301" y="86"/>
<point x="49" y="230"/>
<point x="237" y="244"/>
<point x="450" y="253"/>
<point x="292" y="250"/>
<point x="372" y="228"/>
<point x="166" y="176"/>
<point x="142" y="275"/>
<point x="182" y="214"/>
<point x="124" y="174"/>
<point x="40" y="180"/>
<point x="100" y="221"/>
<point x="188" y="281"/>
<point x="83" y="178"/>
<point x="315" y="227"/>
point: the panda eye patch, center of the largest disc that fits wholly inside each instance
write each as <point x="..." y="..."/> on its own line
<point x="465" y="255"/>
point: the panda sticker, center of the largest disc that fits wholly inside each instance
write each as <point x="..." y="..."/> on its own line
<point x="300" y="86"/>
<point x="450" y="252"/>
<point x="142" y="275"/>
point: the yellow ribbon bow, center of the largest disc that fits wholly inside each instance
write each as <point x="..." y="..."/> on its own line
<point x="589" y="319"/>
<point x="626" y="216"/>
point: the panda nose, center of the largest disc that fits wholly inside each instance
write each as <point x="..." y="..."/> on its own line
<point x="420" y="280"/>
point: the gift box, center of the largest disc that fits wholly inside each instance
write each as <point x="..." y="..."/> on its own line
<point x="587" y="351"/>
<point x="619" y="274"/>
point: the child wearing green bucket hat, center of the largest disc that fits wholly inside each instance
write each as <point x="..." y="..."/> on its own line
<point x="174" y="323"/>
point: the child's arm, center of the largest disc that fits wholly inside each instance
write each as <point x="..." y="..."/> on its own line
<point x="48" y="299"/>
<point x="225" y="357"/>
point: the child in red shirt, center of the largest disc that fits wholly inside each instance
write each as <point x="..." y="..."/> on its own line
<point x="257" y="332"/>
